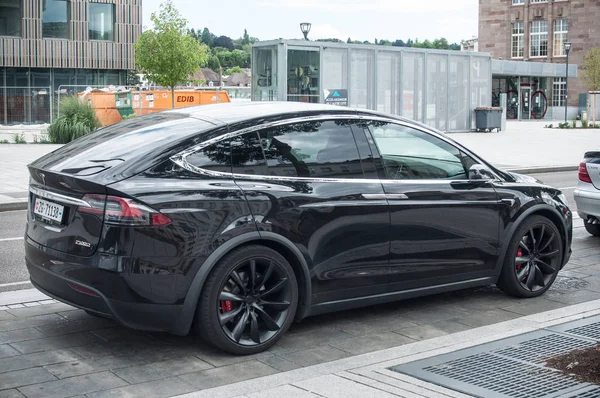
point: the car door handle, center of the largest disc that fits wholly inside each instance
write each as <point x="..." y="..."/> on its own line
<point x="388" y="196"/>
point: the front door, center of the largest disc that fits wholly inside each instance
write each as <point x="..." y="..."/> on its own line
<point x="525" y="103"/>
<point x="444" y="227"/>
<point x="310" y="188"/>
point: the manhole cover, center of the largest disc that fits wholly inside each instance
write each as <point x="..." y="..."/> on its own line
<point x="569" y="283"/>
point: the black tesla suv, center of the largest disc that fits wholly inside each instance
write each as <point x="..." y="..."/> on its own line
<point x="234" y="220"/>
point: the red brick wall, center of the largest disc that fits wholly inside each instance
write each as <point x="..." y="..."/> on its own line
<point x="495" y="24"/>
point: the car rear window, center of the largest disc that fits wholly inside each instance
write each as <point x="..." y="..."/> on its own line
<point x="130" y="139"/>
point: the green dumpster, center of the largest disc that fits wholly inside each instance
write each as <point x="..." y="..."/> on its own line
<point x="488" y="118"/>
<point x="123" y="102"/>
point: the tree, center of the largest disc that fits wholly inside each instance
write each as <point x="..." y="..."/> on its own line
<point x="223" y="41"/>
<point x="214" y="63"/>
<point x="245" y="38"/>
<point x="132" y="78"/>
<point x="235" y="69"/>
<point x="591" y="69"/>
<point x="167" y="54"/>
<point x="207" y="38"/>
<point x="399" y="43"/>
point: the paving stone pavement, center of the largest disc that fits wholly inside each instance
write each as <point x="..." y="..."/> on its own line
<point x="54" y="350"/>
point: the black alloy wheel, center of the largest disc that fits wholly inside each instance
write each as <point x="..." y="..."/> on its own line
<point x="249" y="300"/>
<point x="533" y="260"/>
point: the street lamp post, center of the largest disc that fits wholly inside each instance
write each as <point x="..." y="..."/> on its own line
<point x="305" y="28"/>
<point x="567" y="50"/>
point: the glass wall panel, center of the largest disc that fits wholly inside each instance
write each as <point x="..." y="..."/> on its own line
<point x="85" y="77"/>
<point x="264" y="73"/>
<point x="63" y="77"/>
<point x="40" y="77"/>
<point x="335" y="69"/>
<point x="11" y="16"/>
<point x="303" y="76"/>
<point x="55" y="18"/>
<point x="102" y="21"/>
<point x="481" y="90"/>
<point x="388" y="66"/>
<point x="437" y="91"/>
<point x="412" y="83"/>
<point x="459" y="94"/>
<point x="361" y="89"/>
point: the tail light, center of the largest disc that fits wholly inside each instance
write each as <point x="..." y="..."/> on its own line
<point x="583" y="173"/>
<point x="122" y="211"/>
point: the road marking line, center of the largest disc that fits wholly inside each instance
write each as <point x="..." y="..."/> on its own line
<point x="14" y="284"/>
<point x="10" y="239"/>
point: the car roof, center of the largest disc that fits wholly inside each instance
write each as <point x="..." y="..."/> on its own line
<point x="228" y="113"/>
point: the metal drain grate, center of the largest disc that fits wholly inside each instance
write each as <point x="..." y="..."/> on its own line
<point x="503" y="376"/>
<point x="591" y="331"/>
<point x="542" y="348"/>
<point x="593" y="393"/>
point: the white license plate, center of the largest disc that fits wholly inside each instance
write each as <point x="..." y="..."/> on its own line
<point x="48" y="210"/>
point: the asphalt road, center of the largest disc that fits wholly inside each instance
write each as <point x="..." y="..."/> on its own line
<point x="14" y="276"/>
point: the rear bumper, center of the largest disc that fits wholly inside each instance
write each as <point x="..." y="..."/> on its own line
<point x="588" y="202"/>
<point x="59" y="279"/>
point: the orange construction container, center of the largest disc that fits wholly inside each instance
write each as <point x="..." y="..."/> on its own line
<point x="145" y="102"/>
<point x="160" y="100"/>
<point x="103" y="102"/>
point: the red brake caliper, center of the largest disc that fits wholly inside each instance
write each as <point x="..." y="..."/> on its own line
<point x="226" y="306"/>
<point x="519" y="254"/>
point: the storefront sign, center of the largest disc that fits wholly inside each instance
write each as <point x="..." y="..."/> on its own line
<point x="336" y="97"/>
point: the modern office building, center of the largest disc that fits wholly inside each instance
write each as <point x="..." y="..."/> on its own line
<point x="435" y="87"/>
<point x="535" y="32"/>
<point x="46" y="44"/>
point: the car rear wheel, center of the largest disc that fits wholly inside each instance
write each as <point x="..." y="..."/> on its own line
<point x="533" y="259"/>
<point x="593" y="229"/>
<point x="248" y="302"/>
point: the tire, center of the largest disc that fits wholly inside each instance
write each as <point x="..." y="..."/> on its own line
<point x="543" y="257"/>
<point x="593" y="229"/>
<point x="260" y="314"/>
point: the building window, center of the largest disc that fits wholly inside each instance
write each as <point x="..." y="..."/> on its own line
<point x="539" y="39"/>
<point x="102" y="21"/>
<point x="55" y="19"/>
<point x="515" y="2"/>
<point x="539" y="1"/>
<point x="559" y="91"/>
<point x="11" y="15"/>
<point x="561" y="28"/>
<point x="518" y="39"/>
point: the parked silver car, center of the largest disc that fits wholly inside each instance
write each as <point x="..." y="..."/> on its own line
<point x="587" y="194"/>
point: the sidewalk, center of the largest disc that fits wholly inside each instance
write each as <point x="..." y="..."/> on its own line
<point x="524" y="147"/>
<point x="371" y="375"/>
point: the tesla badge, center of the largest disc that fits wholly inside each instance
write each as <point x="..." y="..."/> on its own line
<point x="82" y="243"/>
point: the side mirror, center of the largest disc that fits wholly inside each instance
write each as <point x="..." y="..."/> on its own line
<point x="480" y="172"/>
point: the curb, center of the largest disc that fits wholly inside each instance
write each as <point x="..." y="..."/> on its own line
<point x="548" y="169"/>
<point x="12" y="206"/>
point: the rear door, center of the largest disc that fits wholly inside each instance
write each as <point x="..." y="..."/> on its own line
<point x="444" y="227"/>
<point x="305" y="181"/>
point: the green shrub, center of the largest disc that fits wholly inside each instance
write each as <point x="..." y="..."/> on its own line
<point x="77" y="118"/>
<point x="564" y="125"/>
<point x="584" y="123"/>
<point x="574" y="123"/>
<point x="44" y="139"/>
<point x="19" y="138"/>
<point x="4" y="142"/>
<point x="550" y="126"/>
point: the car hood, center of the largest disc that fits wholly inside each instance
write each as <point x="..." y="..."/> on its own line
<point x="525" y="179"/>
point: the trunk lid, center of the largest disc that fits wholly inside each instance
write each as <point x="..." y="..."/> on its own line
<point x="60" y="181"/>
<point x="592" y="163"/>
<point x="53" y="219"/>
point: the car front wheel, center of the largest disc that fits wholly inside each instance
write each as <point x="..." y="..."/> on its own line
<point x="533" y="259"/>
<point x="248" y="302"/>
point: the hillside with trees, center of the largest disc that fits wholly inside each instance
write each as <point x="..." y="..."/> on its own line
<point x="233" y="55"/>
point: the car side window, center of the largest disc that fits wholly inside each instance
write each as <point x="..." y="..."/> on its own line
<point x="312" y="149"/>
<point x="411" y="154"/>
<point x="215" y="157"/>
<point x="247" y="155"/>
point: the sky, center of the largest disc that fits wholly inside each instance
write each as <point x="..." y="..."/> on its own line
<point x="362" y="20"/>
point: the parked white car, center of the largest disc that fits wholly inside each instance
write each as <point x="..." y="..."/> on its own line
<point x="587" y="194"/>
